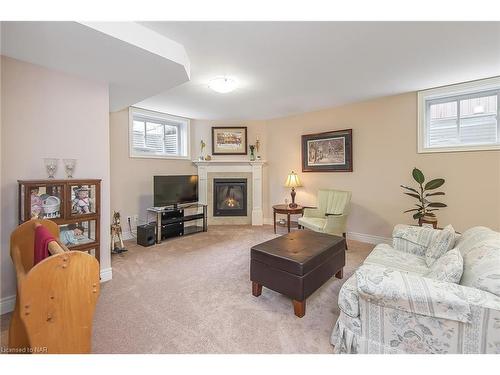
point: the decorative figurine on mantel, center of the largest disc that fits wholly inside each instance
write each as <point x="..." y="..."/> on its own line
<point x="202" y="149"/>
<point x="252" y="152"/>
<point x="257" y="147"/>
<point x="117" y="247"/>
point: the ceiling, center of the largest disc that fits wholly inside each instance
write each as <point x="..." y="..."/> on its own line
<point x="136" y="61"/>
<point x="286" y="68"/>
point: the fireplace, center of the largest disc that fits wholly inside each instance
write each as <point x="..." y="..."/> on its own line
<point x="230" y="197"/>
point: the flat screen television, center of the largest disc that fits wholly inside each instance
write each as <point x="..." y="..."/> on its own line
<point x="174" y="190"/>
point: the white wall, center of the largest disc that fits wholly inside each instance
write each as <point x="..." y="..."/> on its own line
<point x="50" y="114"/>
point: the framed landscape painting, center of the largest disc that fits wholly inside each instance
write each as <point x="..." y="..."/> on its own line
<point x="229" y="140"/>
<point x="327" y="152"/>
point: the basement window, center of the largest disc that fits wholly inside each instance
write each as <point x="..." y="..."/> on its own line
<point x="157" y="135"/>
<point x="461" y="117"/>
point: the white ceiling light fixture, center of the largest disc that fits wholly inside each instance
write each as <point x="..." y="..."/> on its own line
<point x="223" y="85"/>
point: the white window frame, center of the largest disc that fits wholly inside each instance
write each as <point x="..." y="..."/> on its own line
<point x="468" y="88"/>
<point x="153" y="115"/>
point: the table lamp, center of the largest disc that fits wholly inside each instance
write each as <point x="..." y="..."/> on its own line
<point x="293" y="181"/>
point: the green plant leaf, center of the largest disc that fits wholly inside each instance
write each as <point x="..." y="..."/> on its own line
<point x="418" y="175"/>
<point x="437" y="204"/>
<point x="433" y="209"/>
<point x="413" y="209"/>
<point x="413" y="195"/>
<point x="436" y="193"/>
<point x="409" y="188"/>
<point x="434" y="184"/>
<point x="418" y="215"/>
<point x="419" y="206"/>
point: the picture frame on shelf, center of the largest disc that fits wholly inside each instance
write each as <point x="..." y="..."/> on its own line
<point x="229" y="140"/>
<point x="327" y="152"/>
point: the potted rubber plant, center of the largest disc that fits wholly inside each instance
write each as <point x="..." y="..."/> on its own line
<point x="424" y="211"/>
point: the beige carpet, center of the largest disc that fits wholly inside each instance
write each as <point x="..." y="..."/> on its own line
<point x="193" y="295"/>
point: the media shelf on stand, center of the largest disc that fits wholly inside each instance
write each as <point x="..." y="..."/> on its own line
<point x="171" y="221"/>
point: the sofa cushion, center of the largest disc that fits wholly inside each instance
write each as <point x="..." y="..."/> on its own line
<point x="482" y="267"/>
<point x="385" y="255"/>
<point x="475" y="237"/>
<point x="444" y="241"/>
<point x="448" y="268"/>
<point x="348" y="298"/>
<point x="314" y="223"/>
<point x="413" y="239"/>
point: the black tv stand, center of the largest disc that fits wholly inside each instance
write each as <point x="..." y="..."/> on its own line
<point x="170" y="221"/>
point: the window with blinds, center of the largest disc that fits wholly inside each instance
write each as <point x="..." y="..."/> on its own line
<point x="460" y="117"/>
<point x="159" y="135"/>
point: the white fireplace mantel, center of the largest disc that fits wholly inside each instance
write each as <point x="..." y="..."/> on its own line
<point x="214" y="166"/>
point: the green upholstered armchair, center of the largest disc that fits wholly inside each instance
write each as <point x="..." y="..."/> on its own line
<point x="331" y="214"/>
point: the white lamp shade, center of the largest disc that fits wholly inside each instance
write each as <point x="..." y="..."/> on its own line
<point x="292" y="180"/>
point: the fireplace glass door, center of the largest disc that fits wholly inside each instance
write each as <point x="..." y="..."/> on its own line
<point x="230" y="197"/>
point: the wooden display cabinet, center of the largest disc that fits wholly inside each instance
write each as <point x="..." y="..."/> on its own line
<point x="74" y="204"/>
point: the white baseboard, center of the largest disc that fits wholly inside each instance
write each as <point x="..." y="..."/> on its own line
<point x="128" y="235"/>
<point x="368" y="238"/>
<point x="361" y="237"/>
<point x="106" y="274"/>
<point x="7" y="304"/>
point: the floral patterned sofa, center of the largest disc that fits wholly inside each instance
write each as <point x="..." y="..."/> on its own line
<point x="392" y="305"/>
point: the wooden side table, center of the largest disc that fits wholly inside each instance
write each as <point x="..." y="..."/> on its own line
<point x="286" y="210"/>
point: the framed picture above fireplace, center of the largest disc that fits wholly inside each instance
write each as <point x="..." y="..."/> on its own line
<point x="229" y="140"/>
<point x="327" y="152"/>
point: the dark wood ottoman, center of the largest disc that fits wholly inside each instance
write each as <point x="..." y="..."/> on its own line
<point x="296" y="265"/>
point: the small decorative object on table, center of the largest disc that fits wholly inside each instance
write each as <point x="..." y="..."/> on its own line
<point x="50" y="166"/>
<point x="69" y="167"/>
<point x="293" y="181"/>
<point x="208" y="158"/>
<point x="424" y="213"/>
<point x="252" y="154"/>
<point x="117" y="245"/>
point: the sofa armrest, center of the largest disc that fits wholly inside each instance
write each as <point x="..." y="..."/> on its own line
<point x="335" y="224"/>
<point x="313" y="212"/>
<point x="413" y="239"/>
<point x="419" y="295"/>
